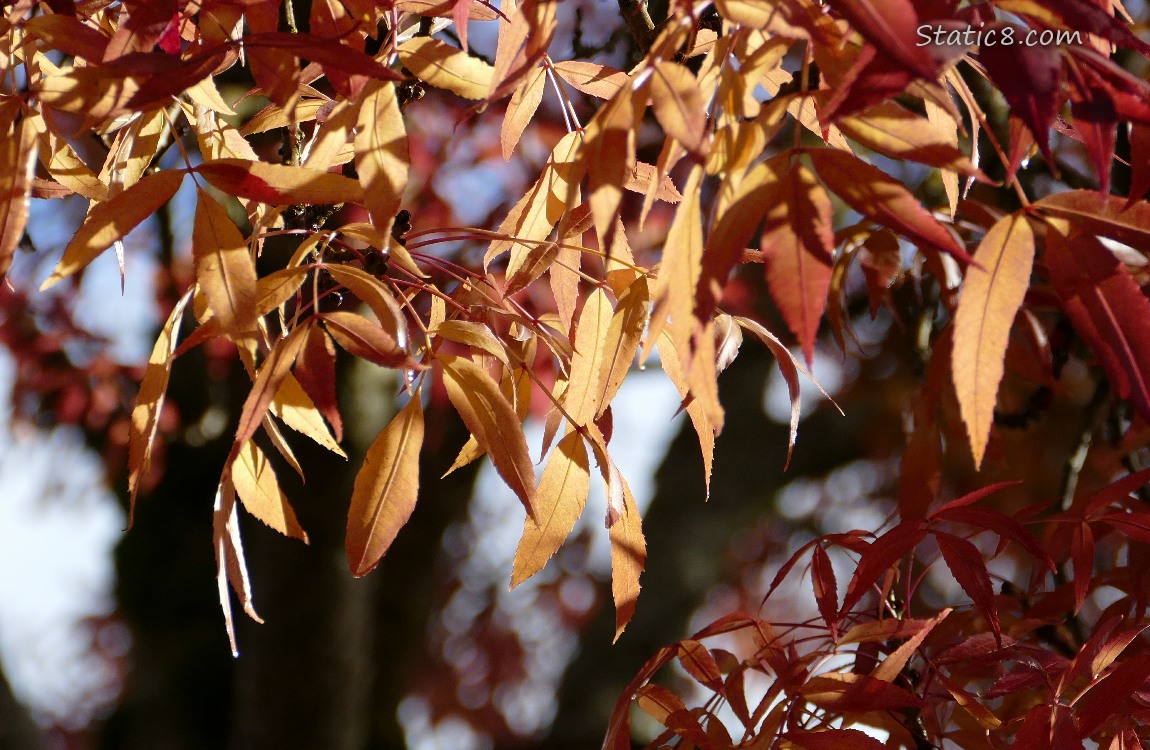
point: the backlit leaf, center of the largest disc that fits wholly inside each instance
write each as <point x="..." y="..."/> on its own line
<point x="17" y="167"/>
<point x="278" y="184"/>
<point x="622" y="342"/>
<point x="230" y="564"/>
<point x="224" y="267"/>
<point x="969" y="569"/>
<point x="582" y="399"/>
<point x="365" y="339"/>
<point x="111" y="221"/>
<point x="145" y="420"/>
<point x="592" y="78"/>
<point x="445" y="67"/>
<point x="991" y="297"/>
<point x="259" y="491"/>
<point x="381" y="153"/>
<point x="895" y="131"/>
<point x="628" y="558"/>
<point x="873" y="194"/>
<point x="293" y="405"/>
<point x="386" y="489"/>
<point x="269" y="378"/>
<point x="678" y="104"/>
<point x="1107" y="215"/>
<point x="522" y="107"/>
<point x="494" y="423"/>
<point x="560" y="500"/>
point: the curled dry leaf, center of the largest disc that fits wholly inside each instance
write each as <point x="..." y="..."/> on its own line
<point x="385" y="489"/>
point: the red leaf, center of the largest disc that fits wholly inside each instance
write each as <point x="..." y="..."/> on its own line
<point x="1134" y="525"/>
<point x="969" y="569"/>
<point x="1089" y="17"/>
<point x="1082" y="553"/>
<point x="699" y="663"/>
<point x="834" y="739"/>
<point x="826" y="589"/>
<point x="1118" y="491"/>
<point x="1107" y="308"/>
<point x="890" y="26"/>
<point x="1139" y="161"/>
<point x="1097" y="120"/>
<point x="1029" y="78"/>
<point x="315" y="371"/>
<point x="883" y="553"/>
<point x="1003" y="525"/>
<point x="873" y="194"/>
<point x="854" y="692"/>
<point x="970" y="498"/>
<point x="1107" y="697"/>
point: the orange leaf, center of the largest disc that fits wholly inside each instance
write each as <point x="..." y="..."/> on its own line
<point x="150" y="402"/>
<point x="895" y="131"/>
<point x="678" y="104"/>
<point x="591" y="78"/>
<point x="581" y="401"/>
<point x="17" y="167"/>
<point x="230" y="564"/>
<point x="628" y="558"/>
<point x="385" y="489"/>
<point x="991" y="297"/>
<point x="381" y="153"/>
<point x="108" y="222"/>
<point x="294" y="406"/>
<point x="224" y="267"/>
<point x="445" y="67"/>
<point x="524" y="102"/>
<point x="622" y="342"/>
<point x="279" y="184"/>
<point x="798" y="245"/>
<point x="493" y="422"/>
<point x="562" y="496"/>
<point x="259" y="491"/>
<point x="270" y="376"/>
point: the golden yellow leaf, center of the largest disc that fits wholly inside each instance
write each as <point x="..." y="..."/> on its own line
<point x="628" y="558"/>
<point x="111" y="221"/>
<point x="562" y="496"/>
<point x="230" y="564"/>
<point x="678" y="104"/>
<point x="381" y="153"/>
<point x="375" y="294"/>
<point x="278" y="287"/>
<point x="534" y="215"/>
<point x="591" y="78"/>
<point x="440" y="65"/>
<point x="333" y="143"/>
<point x="623" y="336"/>
<point x="224" y="268"/>
<point x="494" y="423"/>
<point x="273" y="116"/>
<point x="991" y="296"/>
<point x="17" y="167"/>
<point x="947" y="126"/>
<point x="608" y="155"/>
<point x="474" y="334"/>
<point x="674" y="291"/>
<point x="385" y="489"/>
<point x="581" y="401"/>
<point x="259" y="490"/>
<point x="136" y="145"/>
<point x="94" y="92"/>
<point x="292" y="405"/>
<point x="150" y="402"/>
<point x="524" y="102"/>
<point x="894" y="131"/>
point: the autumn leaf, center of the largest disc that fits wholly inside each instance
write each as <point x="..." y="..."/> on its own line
<point x="17" y="167"/>
<point x="562" y="494"/>
<point x="628" y="558"/>
<point x="109" y="222"/>
<point x="386" y="489"/>
<point x="521" y="109"/>
<point x="1106" y="215"/>
<point x="224" y="267"/>
<point x="1036" y="101"/>
<point x="991" y="297"/>
<point x="895" y="131"/>
<point x="969" y="569"/>
<point x="381" y="153"/>
<point x="494" y="424"/>
<point x="591" y="78"/>
<point x="278" y="184"/>
<point x="366" y="339"/>
<point x="624" y="334"/>
<point x="582" y="400"/>
<point x="230" y="564"/>
<point x="445" y="67"/>
<point x="269" y="378"/>
<point x="1107" y="308"/>
<point x="678" y="104"/>
<point x="294" y="406"/>
<point x="873" y="194"/>
<point x="145" y="419"/>
<point x="259" y="491"/>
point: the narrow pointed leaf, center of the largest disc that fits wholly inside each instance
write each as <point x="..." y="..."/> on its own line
<point x="493" y="422"/>
<point x="279" y="184"/>
<point x="259" y="491"/>
<point x="224" y="267"/>
<point x="561" y="498"/>
<point x="385" y="489"/>
<point x="969" y="569"/>
<point x="381" y="153"/>
<point x="445" y="67"/>
<point x="111" y="221"/>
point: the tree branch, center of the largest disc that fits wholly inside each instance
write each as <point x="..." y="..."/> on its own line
<point x="639" y="21"/>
